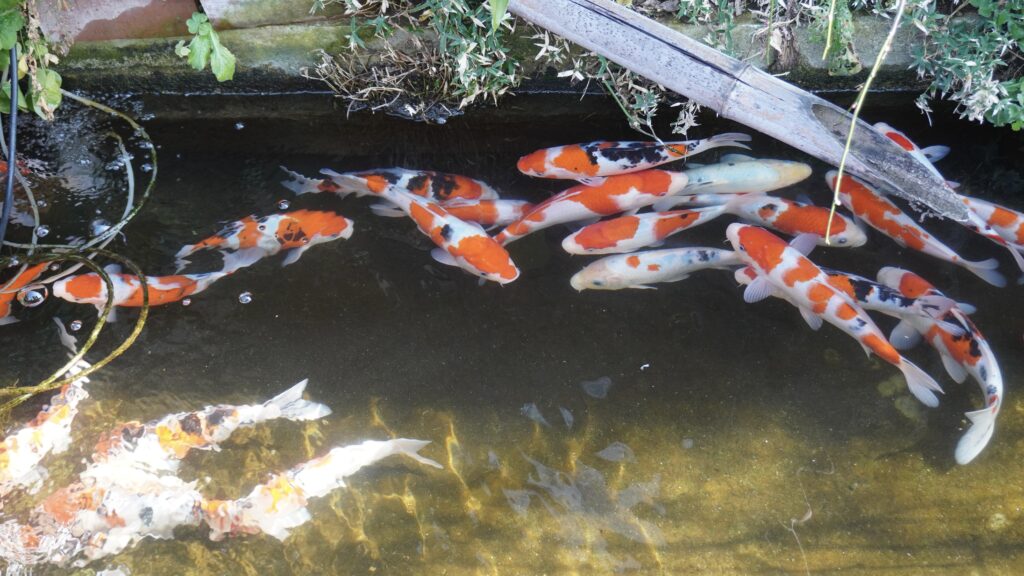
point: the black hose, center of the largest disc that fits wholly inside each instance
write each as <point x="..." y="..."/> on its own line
<point x="11" y="140"/>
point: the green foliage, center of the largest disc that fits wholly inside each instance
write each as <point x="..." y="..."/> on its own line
<point x="977" y="62"/>
<point x="205" y="48"/>
<point x="19" y="29"/>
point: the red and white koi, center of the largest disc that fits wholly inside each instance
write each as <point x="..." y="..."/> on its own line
<point x="878" y="297"/>
<point x="295" y="231"/>
<point x="436" y="186"/>
<point x="1006" y="222"/>
<point x="795" y="218"/>
<point x="487" y="213"/>
<point x="632" y="232"/>
<point x="925" y="156"/>
<point x="964" y="352"/>
<point x="591" y="162"/>
<point x="161" y="444"/>
<point x="736" y="174"/>
<point x="642" y="269"/>
<point x="622" y="193"/>
<point x="877" y="211"/>
<point x="279" y="505"/>
<point x="9" y="290"/>
<point x="783" y="271"/>
<point x="459" y="243"/>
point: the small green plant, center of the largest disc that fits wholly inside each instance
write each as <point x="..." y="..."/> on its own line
<point x="19" y="29"/>
<point x="205" y="48"/>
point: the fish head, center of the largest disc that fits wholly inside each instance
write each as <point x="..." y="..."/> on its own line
<point x="789" y="172"/>
<point x="486" y="258"/>
<point x="534" y="163"/>
<point x="596" y="276"/>
<point x="852" y="235"/>
<point x="756" y="245"/>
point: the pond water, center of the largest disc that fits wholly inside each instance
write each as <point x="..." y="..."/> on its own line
<point x="753" y="445"/>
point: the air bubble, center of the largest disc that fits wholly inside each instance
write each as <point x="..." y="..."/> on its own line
<point x="42" y="231"/>
<point x="239" y="126"/>
<point x="75" y="325"/>
<point x="41" y="203"/>
<point x="146" y="167"/>
<point x="14" y="262"/>
<point x="186" y="302"/>
<point x="32" y="298"/>
<point x="283" y="204"/>
<point x="245" y="297"/>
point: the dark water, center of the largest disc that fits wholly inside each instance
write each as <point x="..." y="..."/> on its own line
<point x="759" y="446"/>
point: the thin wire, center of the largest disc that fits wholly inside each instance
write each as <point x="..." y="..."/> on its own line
<point x="12" y="131"/>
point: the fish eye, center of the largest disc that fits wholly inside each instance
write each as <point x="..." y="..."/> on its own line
<point x="598" y="282"/>
<point x="841" y="240"/>
<point x="262" y="226"/>
<point x="32" y="296"/>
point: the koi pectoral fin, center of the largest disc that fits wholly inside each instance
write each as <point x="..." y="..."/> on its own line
<point x="812" y="319"/>
<point x="442" y="256"/>
<point x="904" y="336"/>
<point x="757" y="290"/>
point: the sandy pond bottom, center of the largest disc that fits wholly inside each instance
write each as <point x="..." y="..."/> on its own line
<point x="755" y="446"/>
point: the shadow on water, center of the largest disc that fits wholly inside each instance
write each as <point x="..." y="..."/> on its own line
<point x="704" y="455"/>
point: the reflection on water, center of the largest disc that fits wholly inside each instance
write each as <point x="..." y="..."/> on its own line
<point x="670" y="431"/>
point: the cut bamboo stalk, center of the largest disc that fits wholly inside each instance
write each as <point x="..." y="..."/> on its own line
<point x="741" y="92"/>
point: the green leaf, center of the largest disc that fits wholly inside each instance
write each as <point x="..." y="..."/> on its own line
<point x="199" y="52"/>
<point x="11" y="22"/>
<point x="194" y="22"/>
<point x="10" y="4"/>
<point x="498" y="9"/>
<point x="5" y="99"/>
<point x="181" y="49"/>
<point x="49" y="93"/>
<point x="222" y="62"/>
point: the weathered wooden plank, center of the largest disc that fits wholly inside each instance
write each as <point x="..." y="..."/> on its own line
<point x="740" y="92"/>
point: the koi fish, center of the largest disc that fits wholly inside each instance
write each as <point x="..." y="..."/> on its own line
<point x="795" y="218"/>
<point x="881" y="214"/>
<point x="979" y="225"/>
<point x="459" y="243"/>
<point x="159" y="445"/>
<point x="925" y="156"/>
<point x="279" y="505"/>
<point x="49" y="432"/>
<point x="1006" y="222"/>
<point x="9" y="290"/>
<point x="630" y="233"/>
<point x="963" y="353"/>
<point x="737" y="174"/>
<point x="295" y="231"/>
<point x="878" y="297"/>
<point x="616" y="194"/>
<point x="642" y="269"/>
<point x="591" y="162"/>
<point x="436" y="186"/>
<point x="783" y="271"/>
<point x="487" y="213"/>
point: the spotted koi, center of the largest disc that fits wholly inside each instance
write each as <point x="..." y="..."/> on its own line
<point x="795" y="218"/>
<point x="487" y="213"/>
<point x="632" y="232"/>
<point x="642" y="269"/>
<point x="783" y="271"/>
<point x="295" y="231"/>
<point x="964" y="352"/>
<point x="616" y="194"/>
<point x="435" y="186"/>
<point x="877" y="211"/>
<point x="591" y="162"/>
<point x="1006" y="222"/>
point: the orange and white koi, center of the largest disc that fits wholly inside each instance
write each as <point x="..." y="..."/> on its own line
<point x="795" y="218"/>
<point x="49" y="432"/>
<point x="736" y="174"/>
<point x="616" y="194"/>
<point x="487" y="213"/>
<point x="279" y="505"/>
<point x="873" y="208"/>
<point x="436" y="186"/>
<point x="295" y="231"/>
<point x="9" y="290"/>
<point x="964" y="352"/>
<point x="459" y="243"/>
<point x="91" y="289"/>
<point x="1006" y="222"/>
<point x="591" y="162"/>
<point x="783" y="271"/>
<point x="925" y="156"/>
<point x="159" y="445"/>
<point x="632" y="232"/>
<point x="642" y="269"/>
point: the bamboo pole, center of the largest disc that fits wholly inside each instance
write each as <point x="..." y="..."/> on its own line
<point x="741" y="92"/>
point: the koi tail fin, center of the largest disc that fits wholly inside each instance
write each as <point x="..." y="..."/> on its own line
<point x="411" y="448"/>
<point x="983" y="424"/>
<point x="731" y="139"/>
<point x="300" y="184"/>
<point x="921" y="385"/>
<point x="987" y="271"/>
<point x="290" y="405"/>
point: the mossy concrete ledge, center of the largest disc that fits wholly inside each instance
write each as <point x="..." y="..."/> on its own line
<point x="270" y="60"/>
